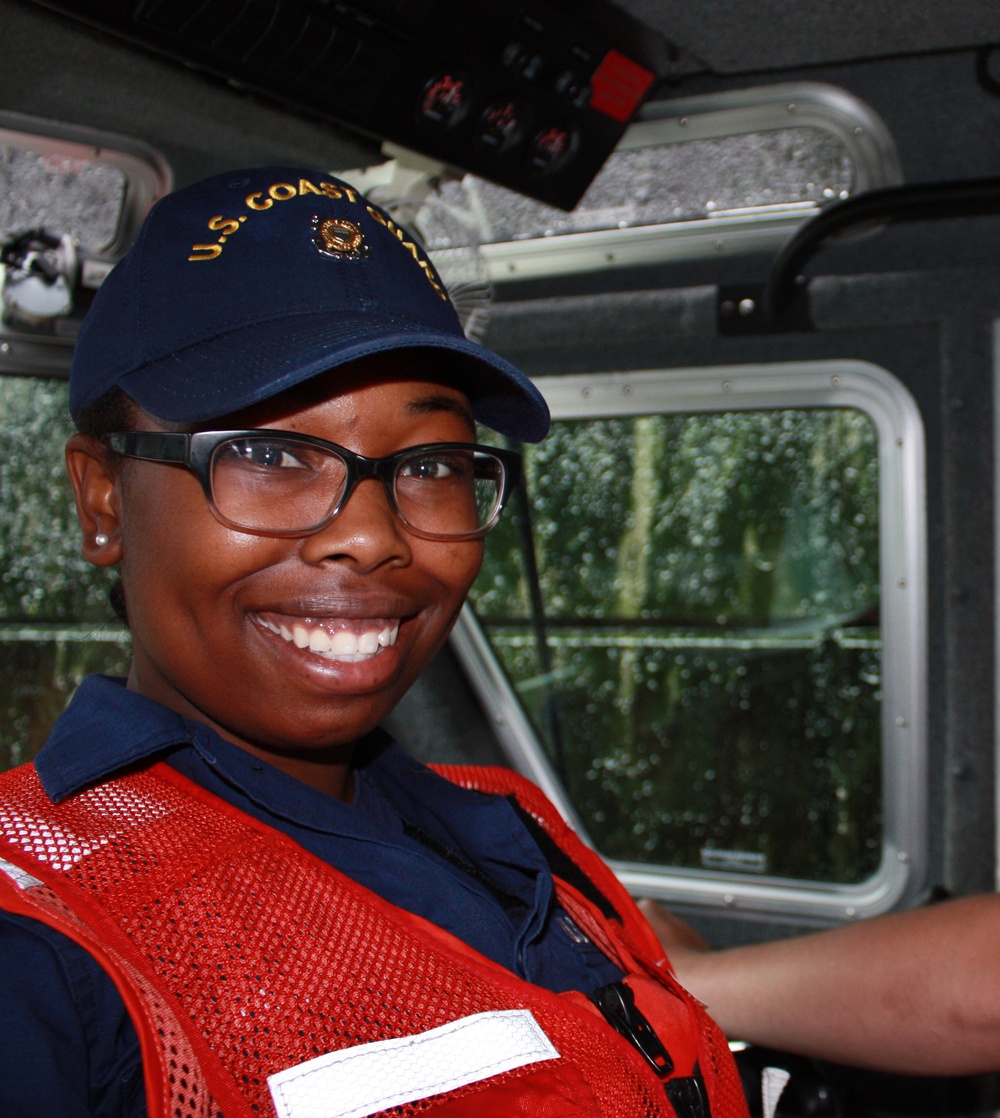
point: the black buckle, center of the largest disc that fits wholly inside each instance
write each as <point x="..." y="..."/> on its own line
<point x="617" y="1002"/>
<point x="687" y="1097"/>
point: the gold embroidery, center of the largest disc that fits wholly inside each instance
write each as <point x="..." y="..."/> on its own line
<point x="400" y="236"/>
<point x="342" y="245"/>
<point x="205" y="252"/>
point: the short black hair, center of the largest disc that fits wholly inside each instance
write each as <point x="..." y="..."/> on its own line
<point x="114" y="411"/>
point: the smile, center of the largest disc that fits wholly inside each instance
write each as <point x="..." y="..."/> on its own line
<point x="341" y="644"/>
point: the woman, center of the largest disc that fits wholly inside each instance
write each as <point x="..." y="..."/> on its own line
<point x="227" y="891"/>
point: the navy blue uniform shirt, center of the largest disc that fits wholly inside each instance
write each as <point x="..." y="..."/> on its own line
<point x="458" y="858"/>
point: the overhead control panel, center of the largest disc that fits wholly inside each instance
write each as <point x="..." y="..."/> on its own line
<point x="532" y="96"/>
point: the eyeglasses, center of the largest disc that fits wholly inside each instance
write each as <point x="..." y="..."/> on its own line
<point x="277" y="483"/>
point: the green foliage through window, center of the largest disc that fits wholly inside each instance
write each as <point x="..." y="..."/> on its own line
<point x="701" y="654"/>
<point x="55" y="621"/>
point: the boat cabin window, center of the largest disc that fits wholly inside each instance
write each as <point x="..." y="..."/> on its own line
<point x="54" y="610"/>
<point x="691" y="177"/>
<point x="83" y="198"/>
<point x="71" y="201"/>
<point x="706" y="615"/>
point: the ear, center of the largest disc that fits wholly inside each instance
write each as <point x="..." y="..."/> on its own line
<point x="95" y="476"/>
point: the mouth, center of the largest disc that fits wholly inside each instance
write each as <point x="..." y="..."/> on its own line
<point x="349" y="640"/>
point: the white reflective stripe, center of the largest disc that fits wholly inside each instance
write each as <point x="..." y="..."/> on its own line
<point x="21" y="878"/>
<point x="355" y="1082"/>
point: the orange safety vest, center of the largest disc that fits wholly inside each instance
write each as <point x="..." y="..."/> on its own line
<point x="263" y="981"/>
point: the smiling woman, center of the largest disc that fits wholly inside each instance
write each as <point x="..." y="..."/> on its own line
<point x="198" y="599"/>
<point x="239" y="890"/>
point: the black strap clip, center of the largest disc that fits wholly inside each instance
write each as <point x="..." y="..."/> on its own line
<point x="617" y="1002"/>
<point x="688" y="1098"/>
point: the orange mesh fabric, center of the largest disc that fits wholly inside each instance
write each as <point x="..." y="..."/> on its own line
<point x="719" y="1071"/>
<point x="245" y="955"/>
<point x="177" y="1084"/>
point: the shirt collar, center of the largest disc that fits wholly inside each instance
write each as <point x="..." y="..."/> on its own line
<point x="104" y="729"/>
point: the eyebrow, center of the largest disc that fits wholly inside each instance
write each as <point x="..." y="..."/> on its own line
<point x="425" y="405"/>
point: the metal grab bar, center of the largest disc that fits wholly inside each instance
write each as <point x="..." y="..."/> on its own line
<point x="914" y="202"/>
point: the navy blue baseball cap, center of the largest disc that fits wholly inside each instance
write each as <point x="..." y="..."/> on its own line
<point x="247" y="283"/>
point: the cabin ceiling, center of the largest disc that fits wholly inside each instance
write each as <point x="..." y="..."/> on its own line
<point x="59" y="69"/>
<point x="724" y="37"/>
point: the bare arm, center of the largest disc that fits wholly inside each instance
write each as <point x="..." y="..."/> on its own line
<point x="915" y="992"/>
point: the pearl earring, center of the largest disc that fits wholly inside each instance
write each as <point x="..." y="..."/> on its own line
<point x="102" y="540"/>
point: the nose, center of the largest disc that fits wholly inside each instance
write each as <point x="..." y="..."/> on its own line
<point x="366" y="531"/>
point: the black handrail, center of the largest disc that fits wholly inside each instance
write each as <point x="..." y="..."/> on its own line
<point x="914" y="202"/>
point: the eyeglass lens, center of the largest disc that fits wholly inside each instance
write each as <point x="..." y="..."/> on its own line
<point x="282" y="485"/>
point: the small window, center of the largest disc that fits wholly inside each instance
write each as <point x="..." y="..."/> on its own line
<point x="55" y="621"/>
<point x="691" y="177"/>
<point x="95" y="186"/>
<point x="63" y="192"/>
<point x="71" y="202"/>
<point x="702" y="616"/>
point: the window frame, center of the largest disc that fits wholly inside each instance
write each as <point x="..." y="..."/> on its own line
<point x="147" y="176"/>
<point x="874" y="391"/>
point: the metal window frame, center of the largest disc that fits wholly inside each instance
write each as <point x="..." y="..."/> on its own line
<point x="147" y="177"/>
<point x="901" y="875"/>
<point x="865" y="137"/>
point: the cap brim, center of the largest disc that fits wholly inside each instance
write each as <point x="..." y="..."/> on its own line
<point x="252" y="363"/>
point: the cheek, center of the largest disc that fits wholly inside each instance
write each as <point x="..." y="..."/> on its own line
<point x="458" y="564"/>
<point x="173" y="549"/>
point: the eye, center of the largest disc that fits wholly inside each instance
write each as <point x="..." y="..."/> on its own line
<point x="263" y="453"/>
<point x="437" y="467"/>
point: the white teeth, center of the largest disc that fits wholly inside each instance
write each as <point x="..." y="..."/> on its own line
<point x="341" y="645"/>
<point x="344" y="644"/>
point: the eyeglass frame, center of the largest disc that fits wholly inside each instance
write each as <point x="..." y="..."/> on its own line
<point x="195" y="451"/>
